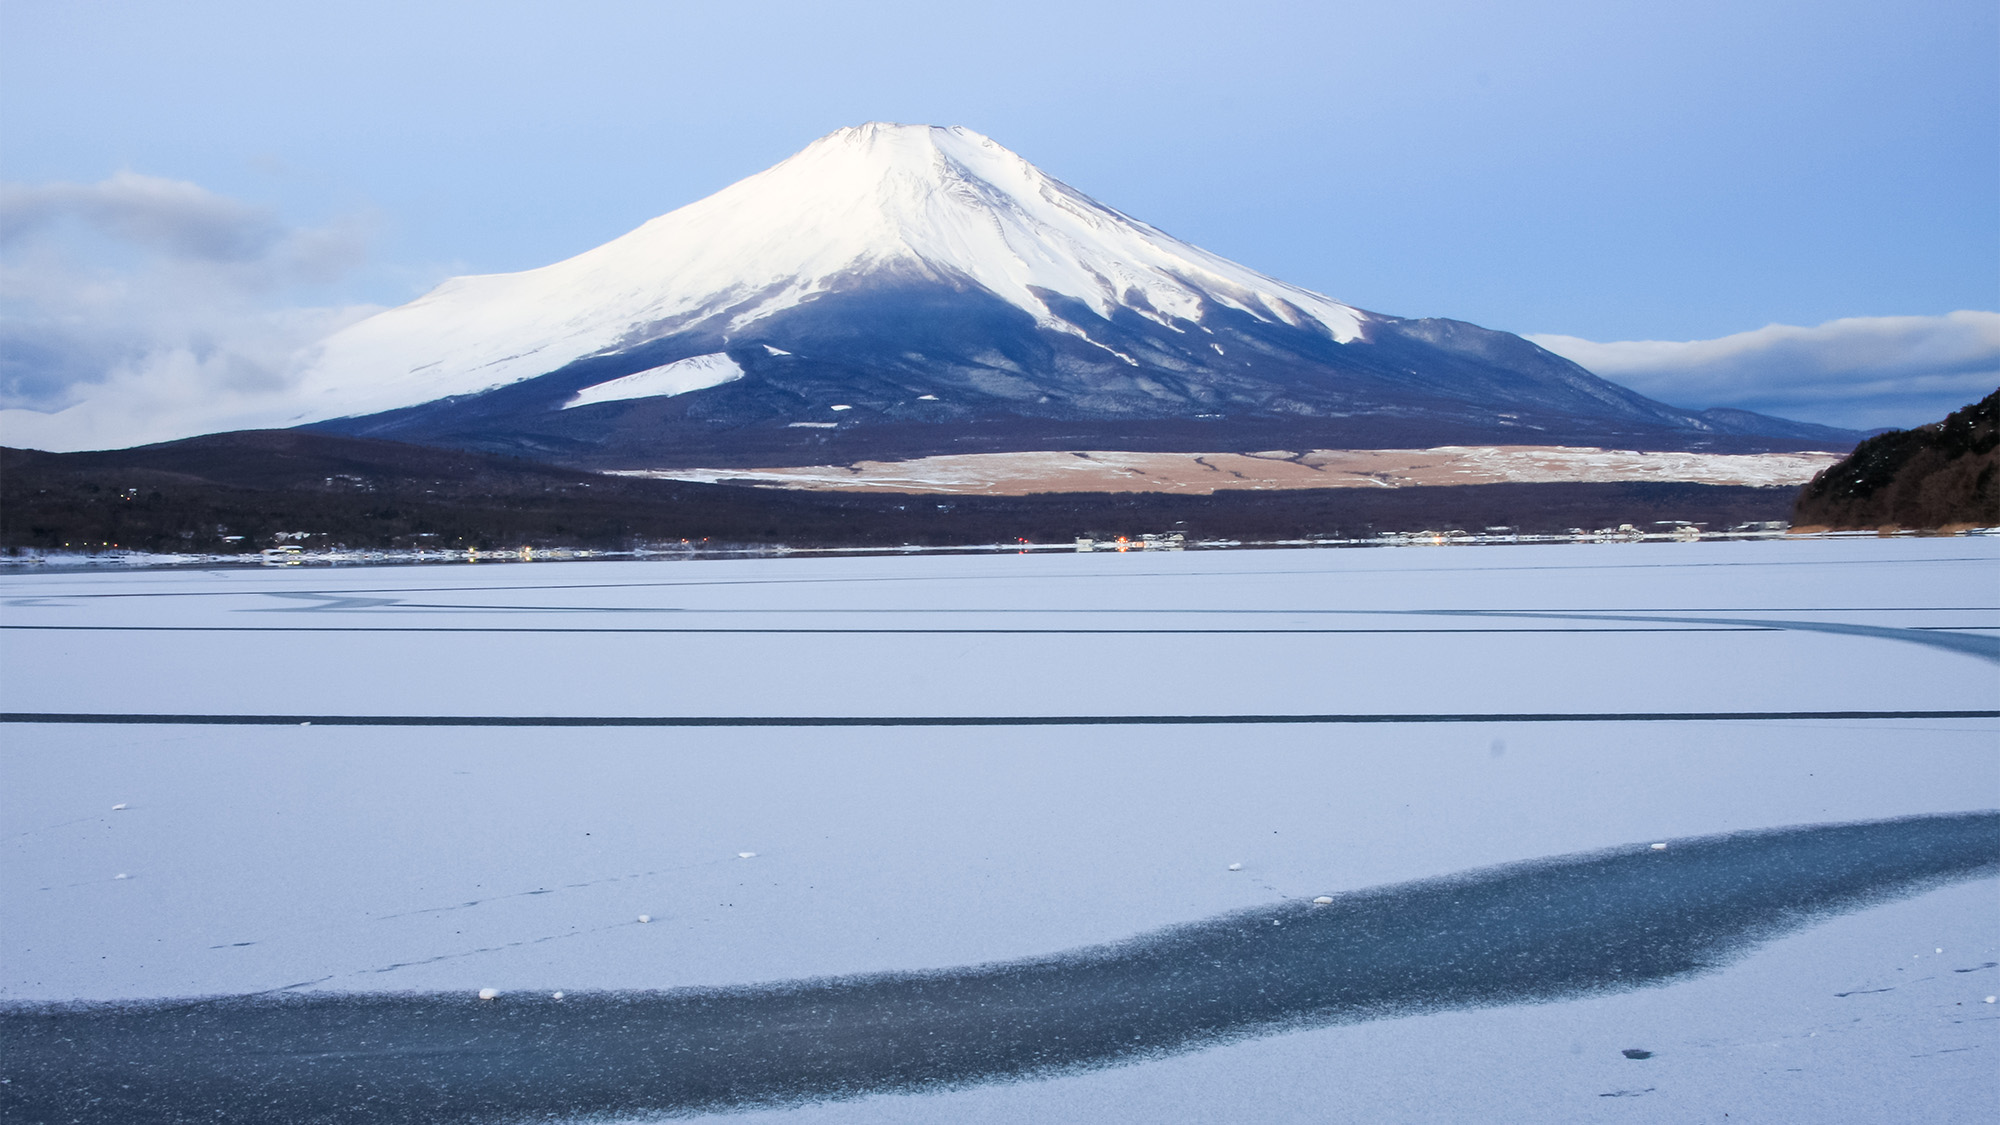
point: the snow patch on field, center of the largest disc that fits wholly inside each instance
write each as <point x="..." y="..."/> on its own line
<point x="1015" y="474"/>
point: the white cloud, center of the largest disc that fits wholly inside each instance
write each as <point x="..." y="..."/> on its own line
<point x="1862" y="372"/>
<point x="142" y="309"/>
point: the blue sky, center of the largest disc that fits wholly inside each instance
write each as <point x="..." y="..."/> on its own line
<point x="1607" y="172"/>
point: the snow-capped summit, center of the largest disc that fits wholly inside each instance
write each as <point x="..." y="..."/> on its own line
<point x="902" y="289"/>
<point x="910" y="201"/>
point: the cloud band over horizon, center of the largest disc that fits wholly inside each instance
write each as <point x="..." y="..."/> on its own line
<point x="1859" y="372"/>
<point x="139" y="309"/>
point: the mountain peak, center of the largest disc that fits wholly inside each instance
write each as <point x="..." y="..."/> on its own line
<point x="908" y="290"/>
<point x="876" y="134"/>
<point x="909" y="146"/>
<point x="878" y="200"/>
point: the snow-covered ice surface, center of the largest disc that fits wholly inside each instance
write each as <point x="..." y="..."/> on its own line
<point x="332" y="858"/>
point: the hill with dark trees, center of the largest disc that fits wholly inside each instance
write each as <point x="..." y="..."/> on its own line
<point x="1946" y="474"/>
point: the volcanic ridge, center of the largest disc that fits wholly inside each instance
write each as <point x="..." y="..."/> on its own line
<point x="903" y="291"/>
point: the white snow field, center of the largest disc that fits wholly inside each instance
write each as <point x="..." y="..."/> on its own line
<point x="171" y="858"/>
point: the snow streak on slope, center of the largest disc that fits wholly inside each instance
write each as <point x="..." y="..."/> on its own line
<point x="878" y="200"/>
<point x="677" y="378"/>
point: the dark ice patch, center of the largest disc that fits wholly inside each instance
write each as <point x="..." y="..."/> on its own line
<point x="1534" y="932"/>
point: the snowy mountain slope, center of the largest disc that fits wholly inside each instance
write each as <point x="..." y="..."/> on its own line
<point x="909" y="201"/>
<point x="941" y="291"/>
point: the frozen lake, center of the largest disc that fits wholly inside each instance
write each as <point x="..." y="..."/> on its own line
<point x="347" y="783"/>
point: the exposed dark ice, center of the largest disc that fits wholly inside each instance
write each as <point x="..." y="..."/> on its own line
<point x="1534" y="932"/>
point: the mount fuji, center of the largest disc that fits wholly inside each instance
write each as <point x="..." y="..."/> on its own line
<point x="896" y="291"/>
